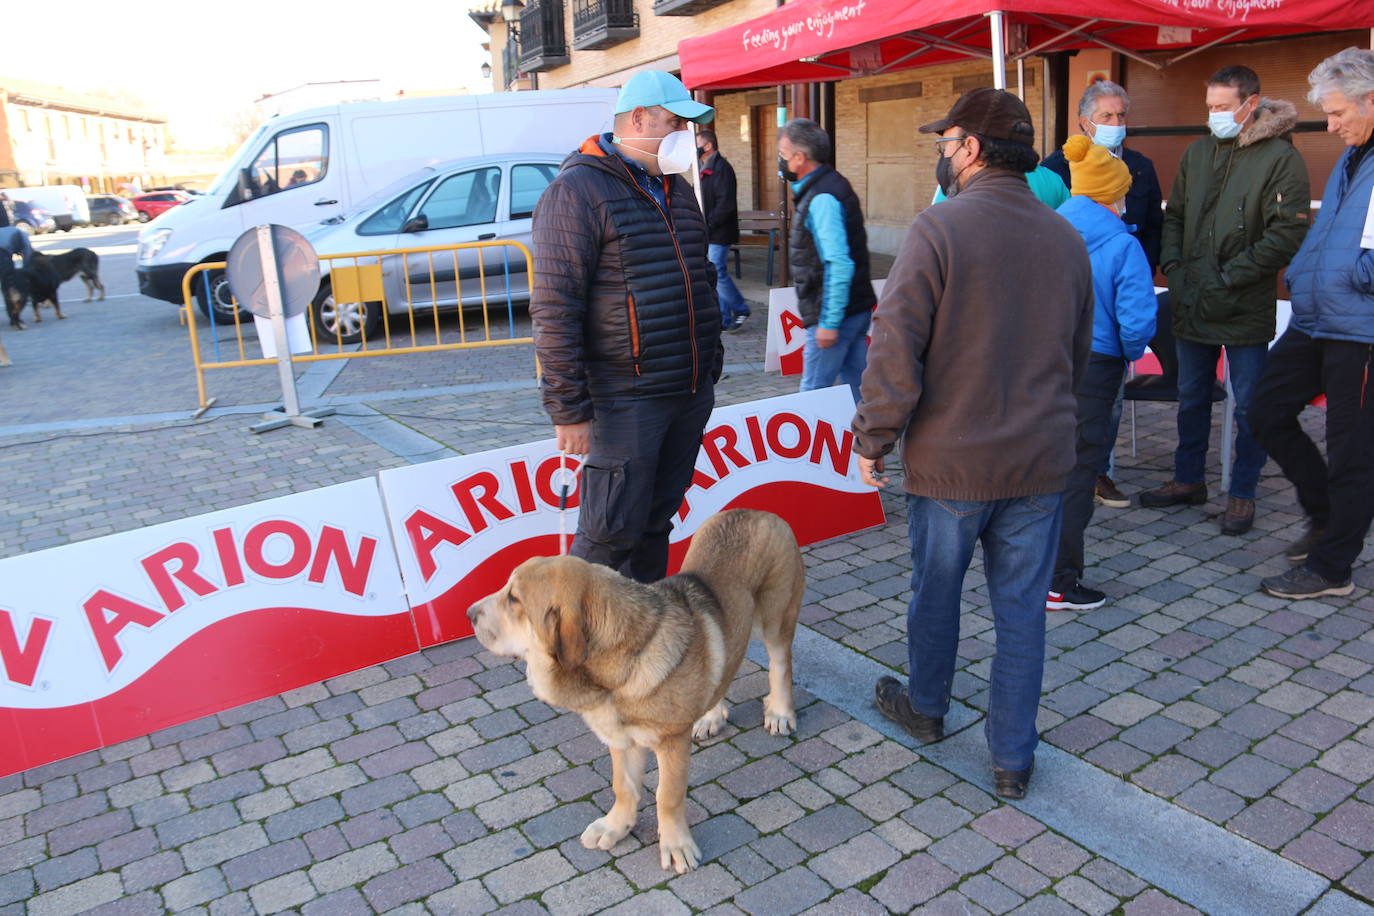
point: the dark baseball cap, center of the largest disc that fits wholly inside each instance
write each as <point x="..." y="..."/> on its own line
<point x="993" y="113"/>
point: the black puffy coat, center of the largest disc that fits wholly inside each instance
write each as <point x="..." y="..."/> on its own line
<point x="623" y="296"/>
<point x="718" y="191"/>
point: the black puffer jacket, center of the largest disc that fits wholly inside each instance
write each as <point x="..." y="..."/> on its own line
<point x="624" y="301"/>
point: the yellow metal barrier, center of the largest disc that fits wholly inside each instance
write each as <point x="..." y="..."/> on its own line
<point x="357" y="283"/>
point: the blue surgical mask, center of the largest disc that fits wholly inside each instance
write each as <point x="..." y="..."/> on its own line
<point x="1108" y="135"/>
<point x="1223" y="124"/>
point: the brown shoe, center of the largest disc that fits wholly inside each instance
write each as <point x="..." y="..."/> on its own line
<point x="1239" y="515"/>
<point x="1174" y="493"/>
<point x="1106" y="494"/>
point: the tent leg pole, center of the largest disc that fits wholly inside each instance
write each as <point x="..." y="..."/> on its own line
<point x="999" y="51"/>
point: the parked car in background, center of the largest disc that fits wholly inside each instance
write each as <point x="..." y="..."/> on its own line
<point x="26" y="217"/>
<point x="463" y="200"/>
<point x="65" y="203"/>
<point x="110" y="210"/>
<point x="155" y="203"/>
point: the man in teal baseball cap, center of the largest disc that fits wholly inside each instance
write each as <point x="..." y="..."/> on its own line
<point x="627" y="326"/>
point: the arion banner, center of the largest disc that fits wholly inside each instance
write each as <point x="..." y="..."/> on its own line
<point x="462" y="524"/>
<point x="108" y="639"/>
<point x="782" y="351"/>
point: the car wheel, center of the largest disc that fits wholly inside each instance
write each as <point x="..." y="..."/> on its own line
<point x="219" y="299"/>
<point x="345" y="322"/>
<point x="143" y="216"/>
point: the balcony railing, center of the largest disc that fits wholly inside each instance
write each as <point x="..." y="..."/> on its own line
<point x="684" y="7"/>
<point x="542" y="42"/>
<point x="599" y="24"/>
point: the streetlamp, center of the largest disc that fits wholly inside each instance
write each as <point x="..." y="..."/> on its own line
<point x="486" y="70"/>
<point x="510" y="14"/>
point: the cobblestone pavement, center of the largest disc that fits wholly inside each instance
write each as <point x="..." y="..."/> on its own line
<point x="1229" y="732"/>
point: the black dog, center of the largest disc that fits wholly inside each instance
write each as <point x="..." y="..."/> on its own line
<point x="81" y="261"/>
<point x="36" y="283"/>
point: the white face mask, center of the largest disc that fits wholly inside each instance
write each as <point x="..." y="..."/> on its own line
<point x="676" y="151"/>
<point x="1223" y="124"/>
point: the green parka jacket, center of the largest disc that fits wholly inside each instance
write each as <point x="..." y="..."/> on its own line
<point x="1236" y="215"/>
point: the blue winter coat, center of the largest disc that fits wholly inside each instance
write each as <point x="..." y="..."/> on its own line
<point x="1331" y="278"/>
<point x="1123" y="284"/>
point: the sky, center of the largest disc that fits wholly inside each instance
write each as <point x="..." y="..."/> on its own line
<point x="200" y="62"/>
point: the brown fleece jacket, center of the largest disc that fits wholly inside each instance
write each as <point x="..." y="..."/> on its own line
<point x="983" y="325"/>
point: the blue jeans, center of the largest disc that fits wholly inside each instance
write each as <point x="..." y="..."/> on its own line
<point x="731" y="301"/>
<point x="1019" y="538"/>
<point x="1197" y="365"/>
<point x="844" y="360"/>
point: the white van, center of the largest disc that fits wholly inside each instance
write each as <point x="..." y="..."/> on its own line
<point x="65" y="203"/>
<point x="301" y="169"/>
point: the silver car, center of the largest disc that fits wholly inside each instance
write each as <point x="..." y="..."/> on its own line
<point x="463" y="200"/>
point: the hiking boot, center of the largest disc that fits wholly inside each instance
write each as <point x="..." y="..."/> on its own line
<point x="1012" y="783"/>
<point x="1077" y="597"/>
<point x="1303" y="582"/>
<point x="1106" y="494"/>
<point x="1174" y="493"/>
<point x="1239" y="515"/>
<point x="1303" y="545"/>
<point x="891" y="698"/>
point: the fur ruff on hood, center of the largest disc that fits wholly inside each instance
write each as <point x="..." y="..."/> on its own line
<point x="1273" y="118"/>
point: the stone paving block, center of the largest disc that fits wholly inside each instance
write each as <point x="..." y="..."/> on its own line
<point x="67" y="869"/>
<point x="827" y="827"/>
<point x="266" y="863"/>
<point x="760" y="778"/>
<point x="1007" y="826"/>
<point x="178" y="830"/>
<point x="378" y="792"/>
<point x="810" y="795"/>
<point x="78" y="897"/>
<point x="1211" y="801"/>
<point x="1291" y="698"/>
<point x="1117" y="757"/>
<point x="937" y="817"/>
<point x="262" y="805"/>
<point x="352" y="868"/>
<point x="1270" y="822"/>
<point x="851" y="862"/>
<point x="528" y="876"/>
<point x="912" y="881"/>
<point x="1112" y="878"/>
<point x="213" y="850"/>
<point x="121" y="850"/>
<point x="1081" y="733"/>
<point x="789" y="892"/>
<point x="1213" y="746"/>
<point x="281" y="893"/>
<point x="1322" y="854"/>
<point x="1352" y="823"/>
<point x="197" y="887"/>
<point x="422" y="841"/>
<point x="1192" y="714"/>
<point x="489" y="852"/>
<point x="89" y="832"/>
<point x="965" y="851"/>
<point x="1155" y="903"/>
<point x="152" y="871"/>
<point x="288" y="769"/>
<point x="1361" y="880"/>
<point x="370" y="827"/>
<point x="1350" y="760"/>
<point x="901" y="836"/>
<point x="409" y="882"/>
<point x="830" y="780"/>
<point x="1314" y="790"/>
<point x="588" y="893"/>
<point x="366" y="743"/>
<point x="1169" y="775"/>
<point x="879" y="801"/>
<point x="508" y="809"/>
<point x="326" y="782"/>
<point x="325" y="842"/>
<point x="59" y="814"/>
<point x="317" y="735"/>
<point x="303" y="819"/>
<point x="991" y="894"/>
<point x="1250" y="776"/>
<point x="1053" y="855"/>
<point x="1317" y="729"/>
<point x="469" y="897"/>
<point x="228" y="788"/>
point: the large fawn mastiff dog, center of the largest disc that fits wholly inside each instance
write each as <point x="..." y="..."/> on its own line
<point x="647" y="666"/>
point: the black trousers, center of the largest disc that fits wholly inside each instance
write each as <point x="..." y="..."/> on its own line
<point x="1336" y="493"/>
<point x="643" y="451"/>
<point x="1096" y="393"/>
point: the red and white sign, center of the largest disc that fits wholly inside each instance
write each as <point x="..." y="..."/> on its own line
<point x="109" y="639"/>
<point x="462" y="524"/>
<point x="105" y="640"/>
<point x="786" y="334"/>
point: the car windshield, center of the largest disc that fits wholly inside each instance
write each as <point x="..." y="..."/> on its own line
<point x="391" y="217"/>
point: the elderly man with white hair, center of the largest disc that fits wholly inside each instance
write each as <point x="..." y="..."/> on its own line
<point x="1329" y="349"/>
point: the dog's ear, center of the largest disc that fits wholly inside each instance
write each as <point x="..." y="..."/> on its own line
<point x="567" y="640"/>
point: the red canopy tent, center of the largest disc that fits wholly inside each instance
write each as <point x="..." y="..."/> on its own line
<point x="822" y="40"/>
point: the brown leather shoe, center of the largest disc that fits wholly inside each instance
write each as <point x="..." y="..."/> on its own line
<point x="1239" y="515"/>
<point x="1174" y="493"/>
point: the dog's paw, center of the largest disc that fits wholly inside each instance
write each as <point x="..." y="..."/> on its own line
<point x="709" y="725"/>
<point x="677" y="850"/>
<point x="779" y="721"/>
<point x="603" y="833"/>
